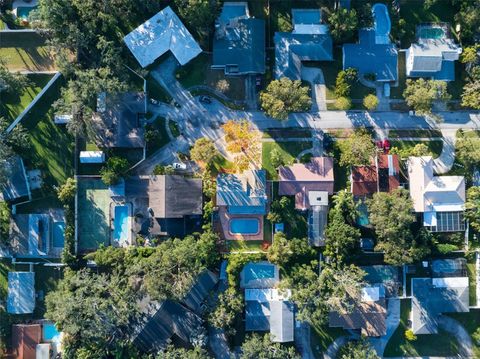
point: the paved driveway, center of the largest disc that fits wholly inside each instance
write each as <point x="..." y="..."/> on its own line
<point x="393" y="320"/>
<point x="317" y="81"/>
<point x="453" y="327"/>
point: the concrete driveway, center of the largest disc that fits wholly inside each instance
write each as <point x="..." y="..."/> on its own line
<point x="317" y="82"/>
<point x="392" y="322"/>
<point x="445" y="161"/>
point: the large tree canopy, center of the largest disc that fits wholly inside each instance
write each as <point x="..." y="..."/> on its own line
<point x="257" y="346"/>
<point x="357" y="150"/>
<point x="420" y="94"/>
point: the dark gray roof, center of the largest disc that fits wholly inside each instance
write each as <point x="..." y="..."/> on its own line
<point x="317" y="221"/>
<point x="117" y="120"/>
<point x="16" y="186"/>
<point x="239" y="42"/>
<point x="169" y="196"/>
<point x="291" y="49"/>
<point x="281" y="321"/>
<point x="169" y="318"/>
<point x="199" y="291"/>
<point x="257" y="315"/>
<point x="429" y="300"/>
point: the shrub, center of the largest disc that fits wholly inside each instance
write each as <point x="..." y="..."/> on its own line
<point x="370" y="102"/>
<point x="163" y="170"/>
<point x="343" y="103"/>
<point x="444" y="248"/>
<point x="410" y="336"/>
<point x="276" y="158"/>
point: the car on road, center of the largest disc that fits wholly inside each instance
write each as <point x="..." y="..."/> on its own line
<point x="205" y="99"/>
<point x="179" y="166"/>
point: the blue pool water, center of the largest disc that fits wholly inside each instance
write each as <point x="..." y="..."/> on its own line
<point x="58" y="234"/>
<point x="382" y="23"/>
<point x="431" y="33"/>
<point x="259" y="271"/>
<point x="120" y="223"/>
<point x="49" y="332"/>
<point x="362" y="218"/>
<point x="24" y="11"/>
<point x="244" y="226"/>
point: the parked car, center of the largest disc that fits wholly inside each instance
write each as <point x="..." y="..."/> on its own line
<point x="205" y="99"/>
<point x="153" y="101"/>
<point x="179" y="166"/>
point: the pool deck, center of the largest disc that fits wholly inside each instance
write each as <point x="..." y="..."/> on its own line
<point x="225" y="218"/>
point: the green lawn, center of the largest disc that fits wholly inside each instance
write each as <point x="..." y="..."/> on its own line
<point x="441" y="344"/>
<point x="287" y="133"/>
<point x="414" y="133"/>
<point x="155" y="91"/>
<point x="321" y="336"/>
<point x="198" y="72"/>
<point x="221" y="164"/>
<point x="472" y="283"/>
<point x="397" y="92"/>
<point x="46" y="280"/>
<point x="240" y="245"/>
<point x="471" y="322"/>
<point x="12" y="106"/>
<point x="434" y="146"/>
<point x="288" y="150"/>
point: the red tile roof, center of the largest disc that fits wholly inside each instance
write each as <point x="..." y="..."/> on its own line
<point x="25" y="338"/>
<point x="370" y="179"/>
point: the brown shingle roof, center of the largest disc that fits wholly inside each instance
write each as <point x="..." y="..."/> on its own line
<point x="25" y="338"/>
<point x="382" y="175"/>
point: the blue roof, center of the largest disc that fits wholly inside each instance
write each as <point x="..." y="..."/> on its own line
<point x="256" y="318"/>
<point x="21" y="292"/>
<point x="239" y="42"/>
<point x="446" y="73"/>
<point x="369" y="57"/>
<point x="243" y="194"/>
<point x="17" y="184"/>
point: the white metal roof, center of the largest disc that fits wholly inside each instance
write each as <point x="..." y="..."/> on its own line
<point x="161" y="33"/>
<point x="266" y="295"/>
<point x="92" y="157"/>
<point x="370" y="294"/>
<point x="450" y="282"/>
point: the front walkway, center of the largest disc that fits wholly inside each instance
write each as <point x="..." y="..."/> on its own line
<point x="444" y="162"/>
<point x="393" y="320"/>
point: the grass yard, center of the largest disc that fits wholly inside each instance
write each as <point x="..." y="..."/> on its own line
<point x="471" y="322"/>
<point x="198" y="72"/>
<point x="287" y="133"/>
<point x="5" y="319"/>
<point x="441" y="344"/>
<point x="155" y="91"/>
<point x="434" y="146"/>
<point x="288" y="150"/>
<point x="472" y="283"/>
<point x="46" y="280"/>
<point x="12" y="106"/>
<point x="221" y="165"/>
<point x="240" y="245"/>
<point x="414" y="133"/>
<point x="397" y="92"/>
<point x="321" y="336"/>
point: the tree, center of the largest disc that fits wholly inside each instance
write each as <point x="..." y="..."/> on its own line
<point x="343" y="103"/>
<point x="343" y="24"/>
<point x="357" y="150"/>
<point x="420" y="94"/>
<point x="12" y="83"/>
<point x="199" y="15"/>
<point x="181" y="353"/>
<point x="229" y="307"/>
<point x="66" y="192"/>
<point x="467" y="150"/>
<point x="391" y="215"/>
<point x="160" y="170"/>
<point x="472" y="207"/>
<point x="114" y="169"/>
<point x="276" y="158"/>
<point x="279" y="252"/>
<point x="5" y="215"/>
<point x="419" y="150"/>
<point x="470" y="95"/>
<point x="203" y="150"/>
<point x="341" y="238"/>
<point x="91" y="309"/>
<point x="244" y="141"/>
<point x="284" y="96"/>
<point x="469" y="19"/>
<point x="257" y="346"/>
<point x="370" y="102"/>
<point x="469" y="56"/>
<point x="358" y="349"/>
<point x="344" y="81"/>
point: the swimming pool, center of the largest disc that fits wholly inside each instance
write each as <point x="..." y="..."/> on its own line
<point x="382" y="23"/>
<point x="259" y="271"/>
<point x="121" y="224"/>
<point x="362" y="218"/>
<point x="24" y="11"/>
<point x="244" y="226"/>
<point x="431" y="33"/>
<point x="50" y="332"/>
<point x="58" y="234"/>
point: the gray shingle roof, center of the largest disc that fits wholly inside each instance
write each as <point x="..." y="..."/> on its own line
<point x="239" y="42"/>
<point x="199" y="291"/>
<point x="281" y="321"/>
<point x="16" y="186"/>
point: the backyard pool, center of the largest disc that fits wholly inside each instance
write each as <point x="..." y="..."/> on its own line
<point x="249" y="226"/>
<point x="24" y="11"/>
<point x="58" y="234"/>
<point x="50" y="333"/>
<point x="431" y="33"/>
<point x="121" y="224"/>
<point x="382" y="23"/>
<point x="362" y="218"/>
<point x="259" y="271"/>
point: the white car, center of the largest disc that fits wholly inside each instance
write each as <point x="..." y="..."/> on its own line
<point x="179" y="166"/>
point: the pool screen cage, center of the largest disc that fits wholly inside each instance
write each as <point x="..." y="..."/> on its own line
<point x="448" y="222"/>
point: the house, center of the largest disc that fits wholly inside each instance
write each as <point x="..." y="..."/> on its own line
<point x="25" y="339"/>
<point x="374" y="54"/>
<point x="17" y="186"/>
<point x="433" y="55"/>
<point x="118" y="120"/>
<point x="168" y="205"/>
<point x="239" y="42"/>
<point x="21" y="292"/>
<point x="300" y="179"/>
<point x="440" y="199"/>
<point x="434" y="296"/>
<point x="266" y="307"/>
<point x="311" y="183"/>
<point x="161" y="33"/>
<point x="369" y="316"/>
<point x="168" y="322"/>
<point x="242" y="202"/>
<point x="310" y="40"/>
<point x="383" y="175"/>
<point x="38" y="234"/>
